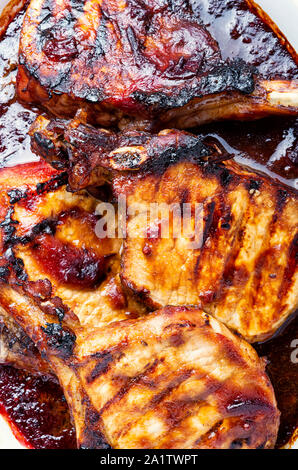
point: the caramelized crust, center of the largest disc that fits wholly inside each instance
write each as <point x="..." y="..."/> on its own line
<point x="165" y="62"/>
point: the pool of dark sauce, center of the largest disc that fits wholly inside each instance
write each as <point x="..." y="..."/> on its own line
<point x="35" y="406"/>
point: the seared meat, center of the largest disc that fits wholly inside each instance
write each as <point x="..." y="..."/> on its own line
<point x="42" y="235"/>
<point x="52" y="257"/>
<point x="211" y="234"/>
<point x="163" y="62"/>
<point x="174" y="378"/>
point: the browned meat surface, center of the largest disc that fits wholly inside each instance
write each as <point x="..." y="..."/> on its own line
<point x="235" y="250"/>
<point x="174" y="378"/>
<point x="164" y="63"/>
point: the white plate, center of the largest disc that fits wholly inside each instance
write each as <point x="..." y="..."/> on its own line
<point x="285" y="14"/>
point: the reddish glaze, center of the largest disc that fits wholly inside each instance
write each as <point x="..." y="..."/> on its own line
<point x="36" y="409"/>
<point x="68" y="264"/>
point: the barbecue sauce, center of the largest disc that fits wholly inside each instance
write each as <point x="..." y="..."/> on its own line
<point x="36" y="409"/>
<point x="281" y="354"/>
<point x="35" y="406"/>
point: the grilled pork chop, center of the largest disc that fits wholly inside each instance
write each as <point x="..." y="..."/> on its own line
<point x="174" y="378"/>
<point x="175" y="64"/>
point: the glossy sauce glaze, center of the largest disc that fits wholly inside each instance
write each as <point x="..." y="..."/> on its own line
<point x="35" y="406"/>
<point x="36" y="409"/>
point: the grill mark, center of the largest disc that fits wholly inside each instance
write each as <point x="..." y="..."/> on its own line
<point x="220" y="212"/>
<point x="157" y="399"/>
<point x="246" y="406"/>
<point x="130" y="381"/>
<point x="257" y="274"/>
<point x="230" y="272"/>
<point x="212" y="385"/>
<point x="105" y="360"/>
<point x="184" y="375"/>
<point x="280" y="201"/>
<point x="205" y="437"/>
<point x="230" y="351"/>
<point x="206" y="233"/>
<point x="92" y="437"/>
<point x="179" y="410"/>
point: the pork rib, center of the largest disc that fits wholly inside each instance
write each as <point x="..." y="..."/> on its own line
<point x="167" y="63"/>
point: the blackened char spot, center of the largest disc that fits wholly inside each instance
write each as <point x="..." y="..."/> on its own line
<point x="128" y="382"/>
<point x="59" y="338"/>
<point x="8" y="227"/>
<point x="54" y="183"/>
<point x="254" y="184"/>
<point x="102" y="366"/>
<point x="105" y="359"/>
<point x="4" y="273"/>
<point x="16" y="264"/>
<point x="238" y="443"/>
<point x="225" y="177"/>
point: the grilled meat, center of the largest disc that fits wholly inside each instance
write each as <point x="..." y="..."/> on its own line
<point x="212" y="234"/>
<point x="241" y="266"/>
<point x="190" y="384"/>
<point x="48" y="236"/>
<point x="42" y="236"/>
<point x="159" y="63"/>
<point x="58" y="268"/>
<point x="174" y="378"/>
